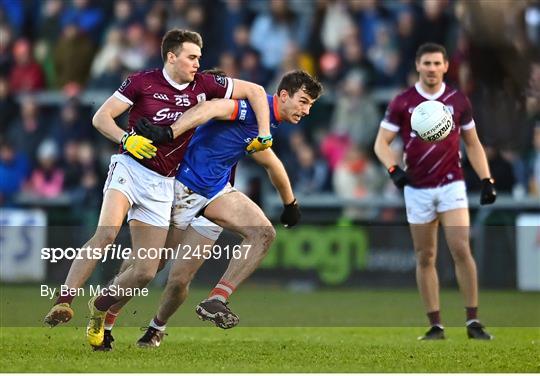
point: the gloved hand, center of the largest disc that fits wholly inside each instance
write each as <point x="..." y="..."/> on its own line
<point x="291" y="214"/>
<point x="488" y="194"/>
<point x="398" y="176"/>
<point x="157" y="134"/>
<point x="259" y="144"/>
<point x="138" y="146"/>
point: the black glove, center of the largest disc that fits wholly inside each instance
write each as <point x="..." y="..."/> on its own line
<point x="157" y="134"/>
<point x="291" y="214"/>
<point x="398" y="176"/>
<point x="488" y="194"/>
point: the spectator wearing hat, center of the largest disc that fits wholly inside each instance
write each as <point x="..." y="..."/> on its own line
<point x="47" y="179"/>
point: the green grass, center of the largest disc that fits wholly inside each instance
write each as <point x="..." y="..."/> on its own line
<point x="272" y="350"/>
<point x="263" y="306"/>
<point x="281" y="331"/>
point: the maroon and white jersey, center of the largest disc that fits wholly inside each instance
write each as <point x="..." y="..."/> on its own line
<point x="427" y="164"/>
<point x="154" y="95"/>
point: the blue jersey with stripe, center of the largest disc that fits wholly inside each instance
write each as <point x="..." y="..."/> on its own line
<point x="217" y="146"/>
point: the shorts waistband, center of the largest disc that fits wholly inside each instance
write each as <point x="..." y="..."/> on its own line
<point x="130" y="160"/>
<point x="438" y="186"/>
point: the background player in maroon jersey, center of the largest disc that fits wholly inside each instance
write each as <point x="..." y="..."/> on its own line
<point x="143" y="188"/>
<point x="433" y="185"/>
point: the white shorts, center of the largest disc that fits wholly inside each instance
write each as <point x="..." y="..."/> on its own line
<point x="149" y="193"/>
<point x="423" y="204"/>
<point x="187" y="204"/>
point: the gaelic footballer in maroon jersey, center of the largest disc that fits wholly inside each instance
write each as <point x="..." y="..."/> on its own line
<point x="433" y="186"/>
<point x="155" y="96"/>
<point x="427" y="164"/>
<point x="143" y="190"/>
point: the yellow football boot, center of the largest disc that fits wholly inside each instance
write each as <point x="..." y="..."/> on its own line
<point x="95" y="331"/>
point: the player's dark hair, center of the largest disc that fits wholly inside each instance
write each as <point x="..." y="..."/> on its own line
<point x="172" y="41"/>
<point x="430" y="48"/>
<point x="215" y="72"/>
<point x="300" y="80"/>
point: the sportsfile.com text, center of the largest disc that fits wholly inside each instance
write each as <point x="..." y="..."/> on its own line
<point x="117" y="252"/>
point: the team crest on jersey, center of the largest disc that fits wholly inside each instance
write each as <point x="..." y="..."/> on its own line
<point x="220" y="80"/>
<point x="201" y="97"/>
<point x="124" y="85"/>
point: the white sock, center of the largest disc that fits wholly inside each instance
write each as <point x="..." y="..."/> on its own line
<point x="156" y="326"/>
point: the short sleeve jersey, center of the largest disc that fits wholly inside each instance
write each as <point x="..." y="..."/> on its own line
<point x="154" y="95"/>
<point x="217" y="146"/>
<point x="430" y="165"/>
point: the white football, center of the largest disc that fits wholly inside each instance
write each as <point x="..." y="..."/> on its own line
<point x="432" y="121"/>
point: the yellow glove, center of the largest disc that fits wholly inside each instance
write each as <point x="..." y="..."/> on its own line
<point x="138" y="146"/>
<point x="259" y="144"/>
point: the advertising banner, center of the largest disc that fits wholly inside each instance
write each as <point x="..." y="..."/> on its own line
<point x="528" y="252"/>
<point x="22" y="235"/>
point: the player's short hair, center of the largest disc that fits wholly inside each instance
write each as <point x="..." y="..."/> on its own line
<point x="172" y="41"/>
<point x="215" y="72"/>
<point x="429" y="48"/>
<point x="300" y="80"/>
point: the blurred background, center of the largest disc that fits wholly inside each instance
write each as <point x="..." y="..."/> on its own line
<point x="60" y="59"/>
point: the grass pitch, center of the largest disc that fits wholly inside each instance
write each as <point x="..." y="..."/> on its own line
<point x="272" y="350"/>
<point x="325" y="331"/>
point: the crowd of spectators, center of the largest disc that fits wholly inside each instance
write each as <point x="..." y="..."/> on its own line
<point x="362" y="51"/>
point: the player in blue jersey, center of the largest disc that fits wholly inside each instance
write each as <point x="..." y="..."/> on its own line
<point x="203" y="193"/>
<point x="139" y="186"/>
